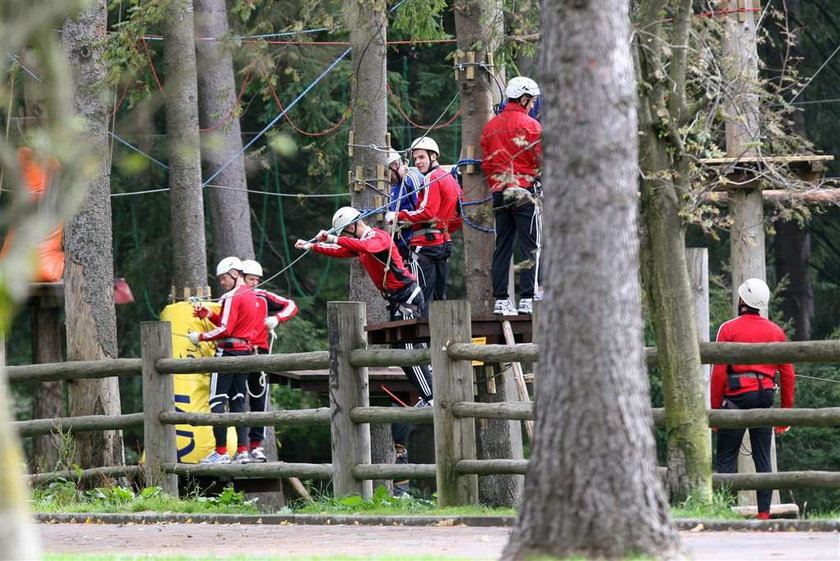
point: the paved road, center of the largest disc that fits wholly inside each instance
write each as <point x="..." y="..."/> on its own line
<point x="445" y="542"/>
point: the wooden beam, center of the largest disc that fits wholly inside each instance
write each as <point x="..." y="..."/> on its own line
<point x="776" y="196"/>
<point x="78" y="424"/>
<point x="394" y="471"/>
<point x="407" y="415"/>
<point x="297" y="417"/>
<point x="269" y="363"/>
<point x="75" y="370"/>
<point x="261" y="470"/>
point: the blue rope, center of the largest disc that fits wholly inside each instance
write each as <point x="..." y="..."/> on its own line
<point x="277" y="118"/>
<point x="121" y="141"/>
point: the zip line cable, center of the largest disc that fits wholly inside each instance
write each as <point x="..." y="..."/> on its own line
<point x="814" y="75"/>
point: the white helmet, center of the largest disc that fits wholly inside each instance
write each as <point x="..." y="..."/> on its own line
<point x="343" y="217"/>
<point x="519" y="86"/>
<point x="251" y="267"/>
<point x="425" y="143"/>
<point x="755" y="293"/>
<point x="226" y="264"/>
<point x="393" y="156"/>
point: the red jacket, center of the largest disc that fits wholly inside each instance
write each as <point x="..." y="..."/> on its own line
<point x="436" y="214"/>
<point x="512" y="149"/>
<point x="240" y="319"/>
<point x="283" y="308"/>
<point x="373" y="250"/>
<point x="751" y="328"/>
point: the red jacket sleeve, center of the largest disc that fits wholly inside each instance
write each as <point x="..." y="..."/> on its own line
<point x="332" y="250"/>
<point x="718" y="380"/>
<point x="286" y="309"/>
<point x="429" y="204"/>
<point x="787" y="381"/>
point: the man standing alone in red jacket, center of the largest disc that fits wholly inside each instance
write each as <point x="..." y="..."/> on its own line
<point x="512" y="151"/>
<point x="750" y="386"/>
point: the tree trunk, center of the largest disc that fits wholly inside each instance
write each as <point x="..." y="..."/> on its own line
<point x="230" y="213"/>
<point x="591" y="487"/>
<point x="189" y="260"/>
<point x="479" y="27"/>
<point x="672" y="311"/>
<point x="89" y="274"/>
<point x="367" y="22"/>
<point x="48" y="398"/>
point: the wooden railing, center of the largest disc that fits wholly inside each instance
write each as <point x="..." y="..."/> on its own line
<point x="350" y="414"/>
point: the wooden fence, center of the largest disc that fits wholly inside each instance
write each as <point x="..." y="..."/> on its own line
<point x="349" y="416"/>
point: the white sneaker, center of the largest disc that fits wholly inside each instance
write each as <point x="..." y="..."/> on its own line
<point x="242" y="458"/>
<point x="423" y="403"/>
<point x="216" y="458"/>
<point x="526" y="306"/>
<point x="504" y="308"/>
<point x="258" y="455"/>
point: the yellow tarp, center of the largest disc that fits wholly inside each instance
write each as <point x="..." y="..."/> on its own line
<point x="192" y="391"/>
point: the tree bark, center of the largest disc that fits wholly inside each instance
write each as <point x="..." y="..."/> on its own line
<point x="48" y="399"/>
<point x="664" y="266"/>
<point x="591" y="488"/>
<point x="189" y="260"/>
<point x="221" y="143"/>
<point x="479" y="27"/>
<point x="367" y="22"/>
<point x="89" y="275"/>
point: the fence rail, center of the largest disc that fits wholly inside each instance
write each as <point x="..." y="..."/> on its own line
<point x="349" y="414"/>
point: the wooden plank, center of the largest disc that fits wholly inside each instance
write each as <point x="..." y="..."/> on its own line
<point x="85" y="474"/>
<point x="768" y="159"/>
<point x="525" y="352"/>
<point x="407" y="415"/>
<point x="158" y="397"/>
<point x="775" y="196"/>
<point x="762" y="353"/>
<point x="256" y="470"/>
<point x="78" y="424"/>
<point x="251" y="363"/>
<point x="74" y="370"/>
<point x="350" y="442"/>
<point x="453" y="382"/>
<point x="506" y="410"/>
<point x="290" y="418"/>
<point x="492" y="467"/>
<point x="778" y="480"/>
<point x="394" y="471"/>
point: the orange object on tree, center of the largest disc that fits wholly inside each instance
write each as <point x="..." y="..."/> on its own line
<point x="36" y="177"/>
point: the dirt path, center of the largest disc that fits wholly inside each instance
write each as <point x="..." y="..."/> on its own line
<point x="452" y="542"/>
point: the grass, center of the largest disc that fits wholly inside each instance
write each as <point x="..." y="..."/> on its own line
<point x="63" y="496"/>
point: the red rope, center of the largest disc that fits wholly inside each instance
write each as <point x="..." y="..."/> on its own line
<point x="292" y="124"/>
<point x="389" y="392"/>
<point x="419" y="126"/>
<point x="226" y="118"/>
<point x="714" y="13"/>
<point x="119" y="102"/>
<point x="152" y="66"/>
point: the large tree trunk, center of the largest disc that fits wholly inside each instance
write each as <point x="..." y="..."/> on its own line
<point x="367" y="22"/>
<point x="89" y="274"/>
<point x="189" y="259"/>
<point x="230" y="213"/>
<point x="479" y="26"/>
<point x="591" y="488"/>
<point x="664" y="267"/>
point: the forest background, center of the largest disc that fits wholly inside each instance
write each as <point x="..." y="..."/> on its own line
<point x="298" y="175"/>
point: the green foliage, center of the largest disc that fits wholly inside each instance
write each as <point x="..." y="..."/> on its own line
<point x="65" y="496"/>
<point x="719" y="508"/>
<point x="421" y="20"/>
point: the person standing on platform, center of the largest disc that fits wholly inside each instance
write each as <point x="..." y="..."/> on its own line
<point x="275" y="310"/>
<point x="437" y="208"/>
<point x="406" y="183"/>
<point x="238" y="322"/>
<point x="750" y="386"/>
<point x="512" y="151"/>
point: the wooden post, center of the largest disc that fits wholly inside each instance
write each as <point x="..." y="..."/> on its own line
<point x="450" y="322"/>
<point x="697" y="259"/>
<point x="348" y="389"/>
<point x="158" y="396"/>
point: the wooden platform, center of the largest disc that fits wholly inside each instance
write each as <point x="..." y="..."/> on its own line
<point x="417" y="330"/>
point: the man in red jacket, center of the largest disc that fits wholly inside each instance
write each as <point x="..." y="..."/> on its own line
<point x="750" y="386"/>
<point x="512" y="151"/>
<point x="238" y="322"/>
<point x="380" y="258"/>
<point x="432" y="221"/>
